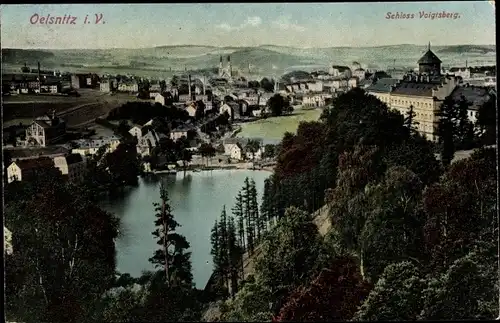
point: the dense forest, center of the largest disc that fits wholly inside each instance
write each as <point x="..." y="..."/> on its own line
<point x="411" y="237"/>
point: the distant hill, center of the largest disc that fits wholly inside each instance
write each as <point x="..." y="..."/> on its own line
<point x="20" y="56"/>
<point x="264" y="60"/>
<point x="463" y="49"/>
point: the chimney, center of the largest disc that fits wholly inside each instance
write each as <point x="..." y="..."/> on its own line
<point x="39" y="79"/>
<point x="189" y="87"/>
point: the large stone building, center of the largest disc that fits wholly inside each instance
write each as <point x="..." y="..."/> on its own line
<point x="424" y="91"/>
<point x="226" y="73"/>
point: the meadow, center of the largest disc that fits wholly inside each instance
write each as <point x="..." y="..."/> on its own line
<point x="272" y="129"/>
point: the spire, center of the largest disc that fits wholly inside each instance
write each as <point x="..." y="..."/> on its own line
<point x="429" y="46"/>
<point x="220" y="59"/>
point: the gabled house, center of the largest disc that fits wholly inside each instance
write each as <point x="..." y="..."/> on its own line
<point x="45" y="130"/>
<point x="147" y="142"/>
<point x="191" y="109"/>
<point x="136" y="131"/>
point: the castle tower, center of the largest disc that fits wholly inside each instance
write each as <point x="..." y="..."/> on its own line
<point x="429" y="63"/>
<point x="229" y="68"/>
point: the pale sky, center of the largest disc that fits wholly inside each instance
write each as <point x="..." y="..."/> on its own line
<point x="292" y="24"/>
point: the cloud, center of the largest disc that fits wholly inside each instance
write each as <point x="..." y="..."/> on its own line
<point x="285" y="23"/>
<point x="252" y="21"/>
<point x="249" y="22"/>
<point x="224" y="27"/>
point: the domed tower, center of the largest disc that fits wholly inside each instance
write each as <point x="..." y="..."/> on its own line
<point x="429" y="63"/>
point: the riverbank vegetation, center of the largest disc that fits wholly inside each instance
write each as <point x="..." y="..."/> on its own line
<point x="410" y="238"/>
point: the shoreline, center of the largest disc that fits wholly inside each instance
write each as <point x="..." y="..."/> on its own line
<point x="269" y="169"/>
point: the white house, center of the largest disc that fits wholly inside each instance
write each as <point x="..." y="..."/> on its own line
<point x="463" y="72"/>
<point x="191" y="110"/>
<point x="136" y="132"/>
<point x="90" y="147"/>
<point x="128" y="87"/>
<point x="105" y="86"/>
<point x="72" y="166"/>
<point x="235" y="151"/>
<point x="178" y="133"/>
<point x="255" y="156"/>
<point x="7" y="241"/>
<point x="257" y="113"/>
<point x="352" y="83"/>
<point x="160" y="99"/>
<point x="226" y="108"/>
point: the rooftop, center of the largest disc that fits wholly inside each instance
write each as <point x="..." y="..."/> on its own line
<point x="383" y="85"/>
<point x="73" y="159"/>
<point x="429" y="58"/>
<point x="41" y="162"/>
<point x="414" y="88"/>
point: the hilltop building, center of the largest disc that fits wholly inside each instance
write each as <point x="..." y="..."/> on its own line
<point x="424" y="91"/>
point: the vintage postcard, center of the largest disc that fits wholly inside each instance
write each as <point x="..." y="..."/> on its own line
<point x="250" y="162"/>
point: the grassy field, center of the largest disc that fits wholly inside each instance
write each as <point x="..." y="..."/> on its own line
<point x="272" y="129"/>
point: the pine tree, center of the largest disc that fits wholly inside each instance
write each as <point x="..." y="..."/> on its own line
<point x="250" y="226"/>
<point x="215" y="251"/>
<point x="254" y="209"/>
<point x="410" y="122"/>
<point x="172" y="255"/>
<point x="268" y="206"/>
<point x="223" y="248"/>
<point x="238" y="214"/>
<point x="235" y="256"/>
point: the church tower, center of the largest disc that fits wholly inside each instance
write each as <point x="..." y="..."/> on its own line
<point x="429" y="63"/>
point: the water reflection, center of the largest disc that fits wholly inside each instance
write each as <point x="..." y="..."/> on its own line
<point x="196" y="200"/>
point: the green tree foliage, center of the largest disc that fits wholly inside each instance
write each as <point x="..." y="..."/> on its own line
<point x="486" y="121"/>
<point x="227" y="254"/>
<point x="278" y="105"/>
<point x="461" y="208"/>
<point x="64" y="255"/>
<point x="267" y="85"/>
<point x="289" y="252"/>
<point x="393" y="228"/>
<point x="142" y="112"/>
<point x="171" y="257"/>
<point x="398" y="295"/>
<point x="270" y="151"/>
<point x="468" y="290"/>
<point x="334" y="295"/>
<point x="251" y="304"/>
<point x="455" y="131"/>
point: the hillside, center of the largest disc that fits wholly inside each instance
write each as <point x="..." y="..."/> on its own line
<point x="264" y="60"/>
<point x="467" y="49"/>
